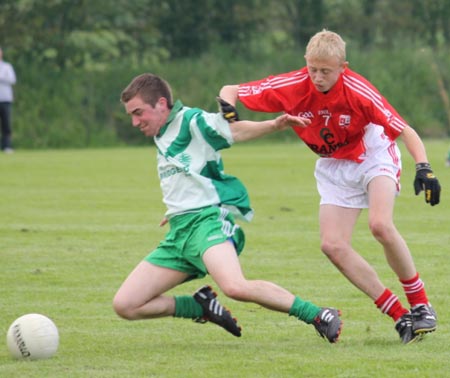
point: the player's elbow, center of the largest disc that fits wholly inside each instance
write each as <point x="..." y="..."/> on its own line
<point x="229" y="93"/>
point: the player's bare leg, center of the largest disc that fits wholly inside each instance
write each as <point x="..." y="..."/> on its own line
<point x="140" y="296"/>
<point x="336" y="228"/>
<point x="223" y="265"/>
<point x="337" y="225"/>
<point x="381" y="204"/>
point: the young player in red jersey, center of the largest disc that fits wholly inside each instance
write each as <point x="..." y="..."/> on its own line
<point x="353" y="129"/>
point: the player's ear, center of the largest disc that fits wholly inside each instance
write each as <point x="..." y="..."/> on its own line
<point x="162" y="102"/>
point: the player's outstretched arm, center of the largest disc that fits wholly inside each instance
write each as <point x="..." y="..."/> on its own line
<point x="425" y="179"/>
<point x="247" y="130"/>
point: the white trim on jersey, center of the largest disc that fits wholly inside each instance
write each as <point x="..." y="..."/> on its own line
<point x="273" y="83"/>
<point x="365" y="91"/>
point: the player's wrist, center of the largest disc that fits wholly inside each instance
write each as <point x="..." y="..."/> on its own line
<point x="422" y="166"/>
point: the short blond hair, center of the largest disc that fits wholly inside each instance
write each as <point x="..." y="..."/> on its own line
<point x="324" y="45"/>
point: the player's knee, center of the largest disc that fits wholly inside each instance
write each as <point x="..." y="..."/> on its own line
<point x="122" y="309"/>
<point x="329" y="247"/>
<point x="234" y="291"/>
<point x="381" y="230"/>
<point x="333" y="249"/>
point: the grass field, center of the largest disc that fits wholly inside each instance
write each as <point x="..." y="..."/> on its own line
<point x="74" y="223"/>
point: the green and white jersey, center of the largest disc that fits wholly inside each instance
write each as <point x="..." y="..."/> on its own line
<point x="190" y="166"/>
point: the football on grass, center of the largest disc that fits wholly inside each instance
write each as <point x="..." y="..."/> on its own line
<point x="32" y="337"/>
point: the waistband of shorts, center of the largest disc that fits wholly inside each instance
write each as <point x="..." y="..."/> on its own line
<point x="173" y="218"/>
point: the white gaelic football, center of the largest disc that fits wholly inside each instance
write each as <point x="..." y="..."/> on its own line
<point x="32" y="337"/>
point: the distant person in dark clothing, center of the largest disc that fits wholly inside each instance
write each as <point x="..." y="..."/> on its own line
<point x="7" y="80"/>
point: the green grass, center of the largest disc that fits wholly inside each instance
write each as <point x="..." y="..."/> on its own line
<point x="74" y="223"/>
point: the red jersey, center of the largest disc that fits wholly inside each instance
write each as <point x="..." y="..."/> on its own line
<point x="338" y="118"/>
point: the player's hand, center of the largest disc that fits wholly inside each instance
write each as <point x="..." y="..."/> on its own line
<point x="228" y="111"/>
<point x="426" y="180"/>
<point x="286" y="120"/>
<point x="163" y="222"/>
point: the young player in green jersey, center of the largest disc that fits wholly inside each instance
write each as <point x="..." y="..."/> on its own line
<point x="202" y="204"/>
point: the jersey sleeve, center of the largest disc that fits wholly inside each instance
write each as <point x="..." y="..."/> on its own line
<point x="272" y="94"/>
<point x="384" y="114"/>
<point x="396" y="123"/>
<point x="215" y="130"/>
<point x="376" y="107"/>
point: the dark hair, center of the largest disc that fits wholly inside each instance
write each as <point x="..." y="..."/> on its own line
<point x="150" y="88"/>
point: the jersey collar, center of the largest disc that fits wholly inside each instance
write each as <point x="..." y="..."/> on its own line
<point x="176" y="108"/>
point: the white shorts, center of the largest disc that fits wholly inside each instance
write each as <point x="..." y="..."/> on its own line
<point x="344" y="182"/>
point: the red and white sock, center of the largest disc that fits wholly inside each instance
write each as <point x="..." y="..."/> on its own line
<point x="415" y="291"/>
<point x="389" y="304"/>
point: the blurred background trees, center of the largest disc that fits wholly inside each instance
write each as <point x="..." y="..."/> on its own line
<point x="73" y="57"/>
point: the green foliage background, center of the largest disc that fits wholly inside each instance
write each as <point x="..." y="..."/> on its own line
<point x="81" y="109"/>
<point x="73" y="57"/>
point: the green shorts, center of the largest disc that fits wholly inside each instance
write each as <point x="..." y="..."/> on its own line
<point x="190" y="235"/>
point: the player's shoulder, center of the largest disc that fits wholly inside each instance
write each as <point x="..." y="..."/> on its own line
<point x="359" y="85"/>
<point x="287" y="79"/>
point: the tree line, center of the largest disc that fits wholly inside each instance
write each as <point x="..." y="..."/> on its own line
<point x="72" y="57"/>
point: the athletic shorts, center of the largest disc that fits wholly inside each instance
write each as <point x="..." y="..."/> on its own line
<point x="191" y="234"/>
<point x="344" y="182"/>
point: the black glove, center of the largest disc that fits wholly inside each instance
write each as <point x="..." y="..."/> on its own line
<point x="228" y="111"/>
<point x="426" y="180"/>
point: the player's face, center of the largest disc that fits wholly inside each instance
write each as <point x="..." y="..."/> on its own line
<point x="149" y="119"/>
<point x="324" y="73"/>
